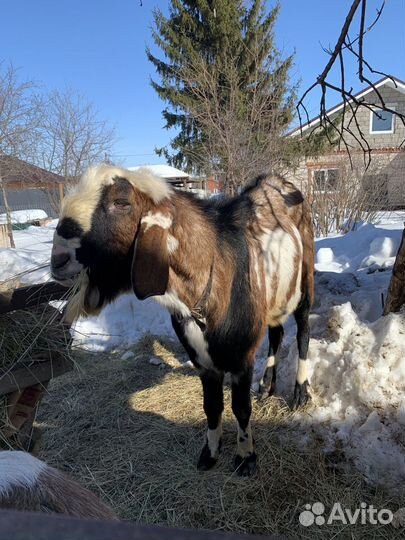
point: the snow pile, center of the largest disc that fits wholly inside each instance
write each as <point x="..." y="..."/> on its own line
<point x="121" y="324"/>
<point x="369" y="247"/>
<point x="29" y="262"/>
<point x="357" y="375"/>
<point x="23" y="216"/>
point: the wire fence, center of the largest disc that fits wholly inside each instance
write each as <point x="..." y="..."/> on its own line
<point x="31" y="199"/>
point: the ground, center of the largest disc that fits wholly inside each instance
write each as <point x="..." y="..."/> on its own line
<point x="131" y="431"/>
<point x="128" y="423"/>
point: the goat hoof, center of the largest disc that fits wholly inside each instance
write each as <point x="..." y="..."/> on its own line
<point x="245" y="466"/>
<point x="206" y="461"/>
<point x="265" y="391"/>
<point x="301" y="395"/>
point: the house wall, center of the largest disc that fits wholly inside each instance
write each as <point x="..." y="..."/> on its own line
<point x="387" y="156"/>
<point x="381" y="140"/>
<point x="389" y="162"/>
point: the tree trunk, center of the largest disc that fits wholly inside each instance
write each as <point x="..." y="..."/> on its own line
<point x="396" y="290"/>
<point x="8" y="214"/>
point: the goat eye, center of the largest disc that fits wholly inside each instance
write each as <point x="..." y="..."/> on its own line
<point x="122" y="204"/>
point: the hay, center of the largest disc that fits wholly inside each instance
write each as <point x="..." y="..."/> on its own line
<point x="132" y="433"/>
<point x="31" y="335"/>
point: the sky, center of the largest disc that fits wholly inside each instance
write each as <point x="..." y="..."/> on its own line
<point x="97" y="48"/>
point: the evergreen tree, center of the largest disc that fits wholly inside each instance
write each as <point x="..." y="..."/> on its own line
<point x="220" y="53"/>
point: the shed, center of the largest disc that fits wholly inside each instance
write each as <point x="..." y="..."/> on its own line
<point x="29" y="187"/>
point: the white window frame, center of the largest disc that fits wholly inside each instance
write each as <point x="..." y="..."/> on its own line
<point x="324" y="169"/>
<point x="386" y="132"/>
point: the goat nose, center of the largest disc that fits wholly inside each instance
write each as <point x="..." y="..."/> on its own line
<point x="59" y="260"/>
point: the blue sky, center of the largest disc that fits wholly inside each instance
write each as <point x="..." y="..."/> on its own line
<point x="97" y="47"/>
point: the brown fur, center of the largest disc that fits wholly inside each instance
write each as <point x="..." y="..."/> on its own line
<point x="54" y="492"/>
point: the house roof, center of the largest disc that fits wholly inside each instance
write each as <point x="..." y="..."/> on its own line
<point x="164" y="171"/>
<point x="16" y="171"/>
<point x="393" y="82"/>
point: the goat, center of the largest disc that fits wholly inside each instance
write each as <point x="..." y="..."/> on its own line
<point x="225" y="270"/>
<point x="29" y="484"/>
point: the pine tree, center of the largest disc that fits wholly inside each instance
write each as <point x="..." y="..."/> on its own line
<point x="224" y="53"/>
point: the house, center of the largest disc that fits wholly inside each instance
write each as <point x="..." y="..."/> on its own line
<point x="385" y="134"/>
<point x="181" y="180"/>
<point x="27" y="186"/>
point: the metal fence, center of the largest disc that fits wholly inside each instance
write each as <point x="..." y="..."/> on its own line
<point x="31" y="199"/>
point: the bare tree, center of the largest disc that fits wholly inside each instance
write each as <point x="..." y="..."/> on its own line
<point x="241" y="133"/>
<point x="72" y="135"/>
<point x="348" y="128"/>
<point x="349" y="194"/>
<point x="19" y="120"/>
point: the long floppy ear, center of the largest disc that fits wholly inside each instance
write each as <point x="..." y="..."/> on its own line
<point x="150" y="265"/>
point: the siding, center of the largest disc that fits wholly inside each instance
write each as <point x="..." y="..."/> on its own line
<point x="387" y="158"/>
<point x="381" y="140"/>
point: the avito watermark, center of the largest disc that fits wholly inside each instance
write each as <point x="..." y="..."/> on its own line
<point x="365" y="514"/>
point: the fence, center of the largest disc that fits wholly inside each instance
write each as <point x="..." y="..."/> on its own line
<point x="32" y="199"/>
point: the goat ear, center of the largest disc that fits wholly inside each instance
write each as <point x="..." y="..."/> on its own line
<point x="150" y="265"/>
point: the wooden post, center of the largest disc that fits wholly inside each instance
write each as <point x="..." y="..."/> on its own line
<point x="4" y="237"/>
<point x="8" y="214"/>
<point x="61" y="195"/>
<point x="396" y="290"/>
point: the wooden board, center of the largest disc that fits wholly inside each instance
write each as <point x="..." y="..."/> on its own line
<point x="31" y="296"/>
<point x="37" y="526"/>
<point x="20" y="377"/>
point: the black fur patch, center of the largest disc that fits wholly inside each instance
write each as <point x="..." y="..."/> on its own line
<point x="69" y="228"/>
<point x="108" y="267"/>
<point x="230" y="343"/>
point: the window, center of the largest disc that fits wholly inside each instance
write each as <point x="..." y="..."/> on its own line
<point x="326" y="180"/>
<point x="382" y="121"/>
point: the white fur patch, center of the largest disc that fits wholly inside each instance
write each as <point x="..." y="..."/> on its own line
<point x="19" y="469"/>
<point x="271" y="361"/>
<point x="66" y="246"/>
<point x="196" y="339"/>
<point x="279" y="251"/>
<point x="172" y="243"/>
<point x="156" y="218"/>
<point x="143" y="179"/>
<point x="172" y="303"/>
<point x="213" y="438"/>
<point x="302" y="372"/>
<point x="192" y="331"/>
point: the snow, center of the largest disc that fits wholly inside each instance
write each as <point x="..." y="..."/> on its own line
<point x="121" y="324"/>
<point x="164" y="171"/>
<point x="29" y="262"/>
<point x="23" y="216"/>
<point x="356" y="356"/>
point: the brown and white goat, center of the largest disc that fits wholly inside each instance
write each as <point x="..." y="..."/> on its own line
<point x="225" y="270"/>
<point x="29" y="484"/>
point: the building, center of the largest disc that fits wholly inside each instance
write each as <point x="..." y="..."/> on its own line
<point x="27" y="187"/>
<point x="385" y="134"/>
<point x="201" y="186"/>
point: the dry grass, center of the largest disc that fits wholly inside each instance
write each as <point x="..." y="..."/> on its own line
<point x="132" y="432"/>
<point x="31" y="335"/>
